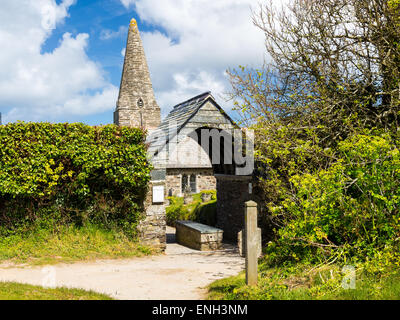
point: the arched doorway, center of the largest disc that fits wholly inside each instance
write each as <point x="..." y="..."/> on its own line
<point x="218" y="145"/>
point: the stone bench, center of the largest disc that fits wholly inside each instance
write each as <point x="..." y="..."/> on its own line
<point x="198" y="236"/>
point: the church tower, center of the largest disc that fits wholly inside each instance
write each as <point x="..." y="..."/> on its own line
<point x="136" y="106"/>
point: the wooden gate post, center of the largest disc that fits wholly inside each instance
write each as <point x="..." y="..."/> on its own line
<point x="250" y="227"/>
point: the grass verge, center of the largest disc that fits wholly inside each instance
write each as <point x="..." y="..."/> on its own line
<point x="68" y="244"/>
<point x="17" y="291"/>
<point x="308" y="283"/>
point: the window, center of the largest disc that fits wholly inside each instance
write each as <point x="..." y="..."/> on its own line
<point x="184" y="182"/>
<point x="193" y="186"/>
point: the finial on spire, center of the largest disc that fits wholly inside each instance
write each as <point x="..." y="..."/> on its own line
<point x="133" y="22"/>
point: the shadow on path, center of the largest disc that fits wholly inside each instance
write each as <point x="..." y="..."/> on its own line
<point x="171" y="237"/>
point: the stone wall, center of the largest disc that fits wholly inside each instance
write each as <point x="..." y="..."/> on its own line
<point x="152" y="230"/>
<point x="232" y="193"/>
<point x="137" y="118"/>
<point x="205" y="180"/>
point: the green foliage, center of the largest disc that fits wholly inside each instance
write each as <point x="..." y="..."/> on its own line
<point x="206" y="213"/>
<point x="72" y="173"/>
<point x="326" y="140"/>
<point x="394" y="4"/>
<point x="349" y="209"/>
<point x="196" y="211"/>
<point x="304" y="282"/>
<point x="176" y="211"/>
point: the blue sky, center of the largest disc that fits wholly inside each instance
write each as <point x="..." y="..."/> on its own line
<point x="93" y="17"/>
<point x="70" y="72"/>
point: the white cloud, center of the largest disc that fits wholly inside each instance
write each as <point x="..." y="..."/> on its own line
<point x="188" y="85"/>
<point x="201" y="39"/>
<point x="127" y="3"/>
<point x="47" y="86"/>
<point x="109" y="34"/>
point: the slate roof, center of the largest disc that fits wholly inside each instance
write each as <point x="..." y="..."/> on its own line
<point x="180" y="115"/>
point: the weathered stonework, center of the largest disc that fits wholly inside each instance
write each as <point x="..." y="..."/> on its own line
<point x="206" y="197"/>
<point x="152" y="230"/>
<point x="198" y="236"/>
<point x="136" y="106"/>
<point x="242" y="244"/>
<point x="232" y="193"/>
<point x="205" y="180"/>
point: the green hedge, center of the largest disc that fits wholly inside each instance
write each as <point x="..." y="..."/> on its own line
<point x="198" y="211"/>
<point x="73" y="173"/>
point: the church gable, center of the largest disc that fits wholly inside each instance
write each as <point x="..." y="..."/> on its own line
<point x="210" y="115"/>
<point x="172" y="144"/>
<point x="200" y="111"/>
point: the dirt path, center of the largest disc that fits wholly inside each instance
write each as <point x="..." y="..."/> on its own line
<point x="181" y="273"/>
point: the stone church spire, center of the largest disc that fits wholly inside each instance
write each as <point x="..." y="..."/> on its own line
<point x="136" y="106"/>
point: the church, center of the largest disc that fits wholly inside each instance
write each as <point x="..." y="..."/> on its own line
<point x="174" y="144"/>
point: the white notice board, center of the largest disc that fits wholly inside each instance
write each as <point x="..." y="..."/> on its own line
<point x="158" y="194"/>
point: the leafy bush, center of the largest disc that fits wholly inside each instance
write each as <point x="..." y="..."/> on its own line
<point x="195" y="211"/>
<point x="206" y="213"/>
<point x="176" y="211"/>
<point x="71" y="173"/>
<point x="348" y="209"/>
